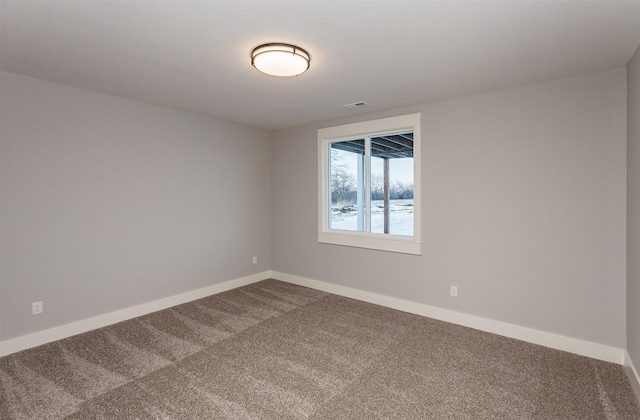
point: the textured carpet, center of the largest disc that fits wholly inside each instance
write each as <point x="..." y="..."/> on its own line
<point x="276" y="350"/>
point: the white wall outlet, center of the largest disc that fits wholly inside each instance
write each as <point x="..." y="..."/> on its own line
<point x="255" y="260"/>
<point x="36" y="308"/>
<point x="454" y="291"/>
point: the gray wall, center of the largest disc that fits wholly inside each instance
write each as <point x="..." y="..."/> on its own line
<point x="524" y="201"/>
<point x="108" y="203"/>
<point x="633" y="209"/>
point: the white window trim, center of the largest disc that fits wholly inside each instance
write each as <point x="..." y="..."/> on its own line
<point x="384" y="242"/>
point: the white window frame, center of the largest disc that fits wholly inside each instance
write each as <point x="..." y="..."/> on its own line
<point x="379" y="241"/>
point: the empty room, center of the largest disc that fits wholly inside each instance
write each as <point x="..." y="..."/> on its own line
<point x="319" y="209"/>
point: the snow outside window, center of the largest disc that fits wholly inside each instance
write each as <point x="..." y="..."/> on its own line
<point x="369" y="192"/>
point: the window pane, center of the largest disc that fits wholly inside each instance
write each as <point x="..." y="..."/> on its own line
<point x="377" y="195"/>
<point x="346" y="187"/>
<point x="401" y="197"/>
<point x="392" y="184"/>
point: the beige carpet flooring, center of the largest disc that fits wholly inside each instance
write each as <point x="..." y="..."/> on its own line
<point x="273" y="350"/>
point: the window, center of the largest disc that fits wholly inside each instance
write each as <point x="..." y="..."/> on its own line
<point x="369" y="184"/>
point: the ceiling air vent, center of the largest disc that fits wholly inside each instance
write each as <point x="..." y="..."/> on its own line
<point x="355" y="105"/>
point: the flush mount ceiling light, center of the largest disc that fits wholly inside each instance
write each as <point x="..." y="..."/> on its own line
<point x="283" y="60"/>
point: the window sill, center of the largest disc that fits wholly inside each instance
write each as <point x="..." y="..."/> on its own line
<point x="400" y="244"/>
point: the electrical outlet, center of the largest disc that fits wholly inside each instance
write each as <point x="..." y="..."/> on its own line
<point x="36" y="308"/>
<point x="255" y="260"/>
<point x="454" y="291"/>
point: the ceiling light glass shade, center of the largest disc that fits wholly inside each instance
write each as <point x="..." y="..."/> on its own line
<point x="282" y="60"/>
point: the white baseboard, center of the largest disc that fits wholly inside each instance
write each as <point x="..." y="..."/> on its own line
<point x="46" y="336"/>
<point x="555" y="341"/>
<point x="633" y="375"/>
<point x="573" y="345"/>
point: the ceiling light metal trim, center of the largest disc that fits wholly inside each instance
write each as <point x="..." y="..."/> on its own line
<point x="279" y="59"/>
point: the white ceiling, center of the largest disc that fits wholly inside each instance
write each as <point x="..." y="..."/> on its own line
<point x="195" y="55"/>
